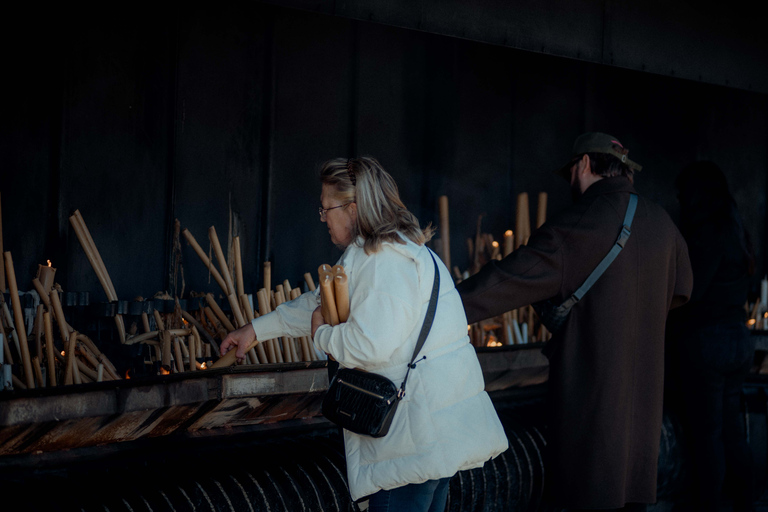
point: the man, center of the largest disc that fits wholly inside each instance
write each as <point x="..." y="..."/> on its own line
<point x="607" y="360"/>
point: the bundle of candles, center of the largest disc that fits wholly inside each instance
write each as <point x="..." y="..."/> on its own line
<point x="334" y="293"/>
<point x="284" y="350"/>
<point x="757" y="312"/>
<point x="518" y="326"/>
<point x="76" y="360"/>
<point x="189" y="341"/>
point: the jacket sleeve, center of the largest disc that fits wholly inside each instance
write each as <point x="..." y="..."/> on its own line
<point x="292" y="318"/>
<point x="528" y="275"/>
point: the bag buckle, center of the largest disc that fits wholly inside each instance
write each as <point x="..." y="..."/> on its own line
<point x="625" y="232"/>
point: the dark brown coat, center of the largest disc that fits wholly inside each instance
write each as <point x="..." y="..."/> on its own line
<point x="607" y="363"/>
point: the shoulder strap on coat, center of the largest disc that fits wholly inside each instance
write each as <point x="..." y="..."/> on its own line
<point x="426" y="326"/>
<point x="606" y="262"/>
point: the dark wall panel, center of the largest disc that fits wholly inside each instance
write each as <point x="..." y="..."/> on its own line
<point x="313" y="108"/>
<point x="114" y="155"/>
<point x="221" y="140"/>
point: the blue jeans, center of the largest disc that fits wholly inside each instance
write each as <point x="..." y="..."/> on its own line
<point x="431" y="496"/>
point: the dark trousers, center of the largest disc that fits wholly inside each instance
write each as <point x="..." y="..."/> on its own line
<point x="715" y="361"/>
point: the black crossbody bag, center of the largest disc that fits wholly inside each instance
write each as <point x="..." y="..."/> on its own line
<point x="553" y="316"/>
<point x="365" y="402"/>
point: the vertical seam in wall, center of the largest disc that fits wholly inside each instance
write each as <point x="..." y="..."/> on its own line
<point x="354" y="88"/>
<point x="268" y="159"/>
<point x="605" y="35"/>
<point x="170" y="183"/>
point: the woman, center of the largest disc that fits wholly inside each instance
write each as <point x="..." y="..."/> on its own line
<point x="446" y="421"/>
<point x="716" y="350"/>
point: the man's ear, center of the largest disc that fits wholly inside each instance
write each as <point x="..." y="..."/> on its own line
<point x="585" y="166"/>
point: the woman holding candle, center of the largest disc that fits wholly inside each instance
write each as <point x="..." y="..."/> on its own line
<point x="715" y="348"/>
<point x="446" y="421"/>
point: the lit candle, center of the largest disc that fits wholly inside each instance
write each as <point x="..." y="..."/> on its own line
<point x="45" y="274"/>
<point x="509" y="242"/>
<point x="495" y="254"/>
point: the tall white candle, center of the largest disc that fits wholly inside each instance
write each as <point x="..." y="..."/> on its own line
<point x="509" y="242"/>
<point x="518" y="334"/>
<point x="7" y="379"/>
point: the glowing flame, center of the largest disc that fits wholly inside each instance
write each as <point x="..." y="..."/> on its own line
<point x="751" y="322"/>
<point x="62" y="353"/>
<point x="49" y="263"/>
<point x="495" y="243"/>
<point x="164" y="371"/>
<point x="765" y="315"/>
<point x="203" y="367"/>
<point x="128" y="373"/>
<point x="186" y="324"/>
<point x="508" y="232"/>
<point x="493" y="342"/>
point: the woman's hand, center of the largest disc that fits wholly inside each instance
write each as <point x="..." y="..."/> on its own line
<point x="240" y="338"/>
<point x="317" y="320"/>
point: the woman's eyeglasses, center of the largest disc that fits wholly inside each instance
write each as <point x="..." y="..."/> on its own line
<point x="323" y="211"/>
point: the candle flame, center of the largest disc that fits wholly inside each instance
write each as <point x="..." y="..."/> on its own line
<point x="49" y="262"/>
<point x="164" y="371"/>
<point x="765" y="315"/>
<point x="493" y="342"/>
<point x="751" y="321"/>
<point x="203" y="366"/>
<point x="495" y="243"/>
<point x="62" y="353"/>
<point x="508" y="232"/>
<point x="128" y="373"/>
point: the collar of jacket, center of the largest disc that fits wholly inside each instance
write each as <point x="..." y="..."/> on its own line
<point x="608" y="186"/>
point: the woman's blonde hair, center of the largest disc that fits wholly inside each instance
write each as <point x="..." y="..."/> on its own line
<point x="381" y="215"/>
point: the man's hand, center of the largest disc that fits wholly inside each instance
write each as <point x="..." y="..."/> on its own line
<point x="240" y="338"/>
<point x="317" y="320"/>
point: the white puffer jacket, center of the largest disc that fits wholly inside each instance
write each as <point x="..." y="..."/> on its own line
<point x="446" y="421"/>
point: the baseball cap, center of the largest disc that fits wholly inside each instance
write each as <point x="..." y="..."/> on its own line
<point x="596" y="142"/>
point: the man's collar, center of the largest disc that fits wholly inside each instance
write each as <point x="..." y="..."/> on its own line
<point x="609" y="186"/>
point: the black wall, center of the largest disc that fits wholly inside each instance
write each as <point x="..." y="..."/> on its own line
<point x="221" y="115"/>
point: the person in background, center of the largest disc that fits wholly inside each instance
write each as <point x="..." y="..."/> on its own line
<point x="606" y="363"/>
<point x="446" y="421"/>
<point x="715" y="349"/>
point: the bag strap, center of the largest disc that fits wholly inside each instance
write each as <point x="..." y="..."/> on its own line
<point x="426" y="326"/>
<point x="606" y="262"/>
